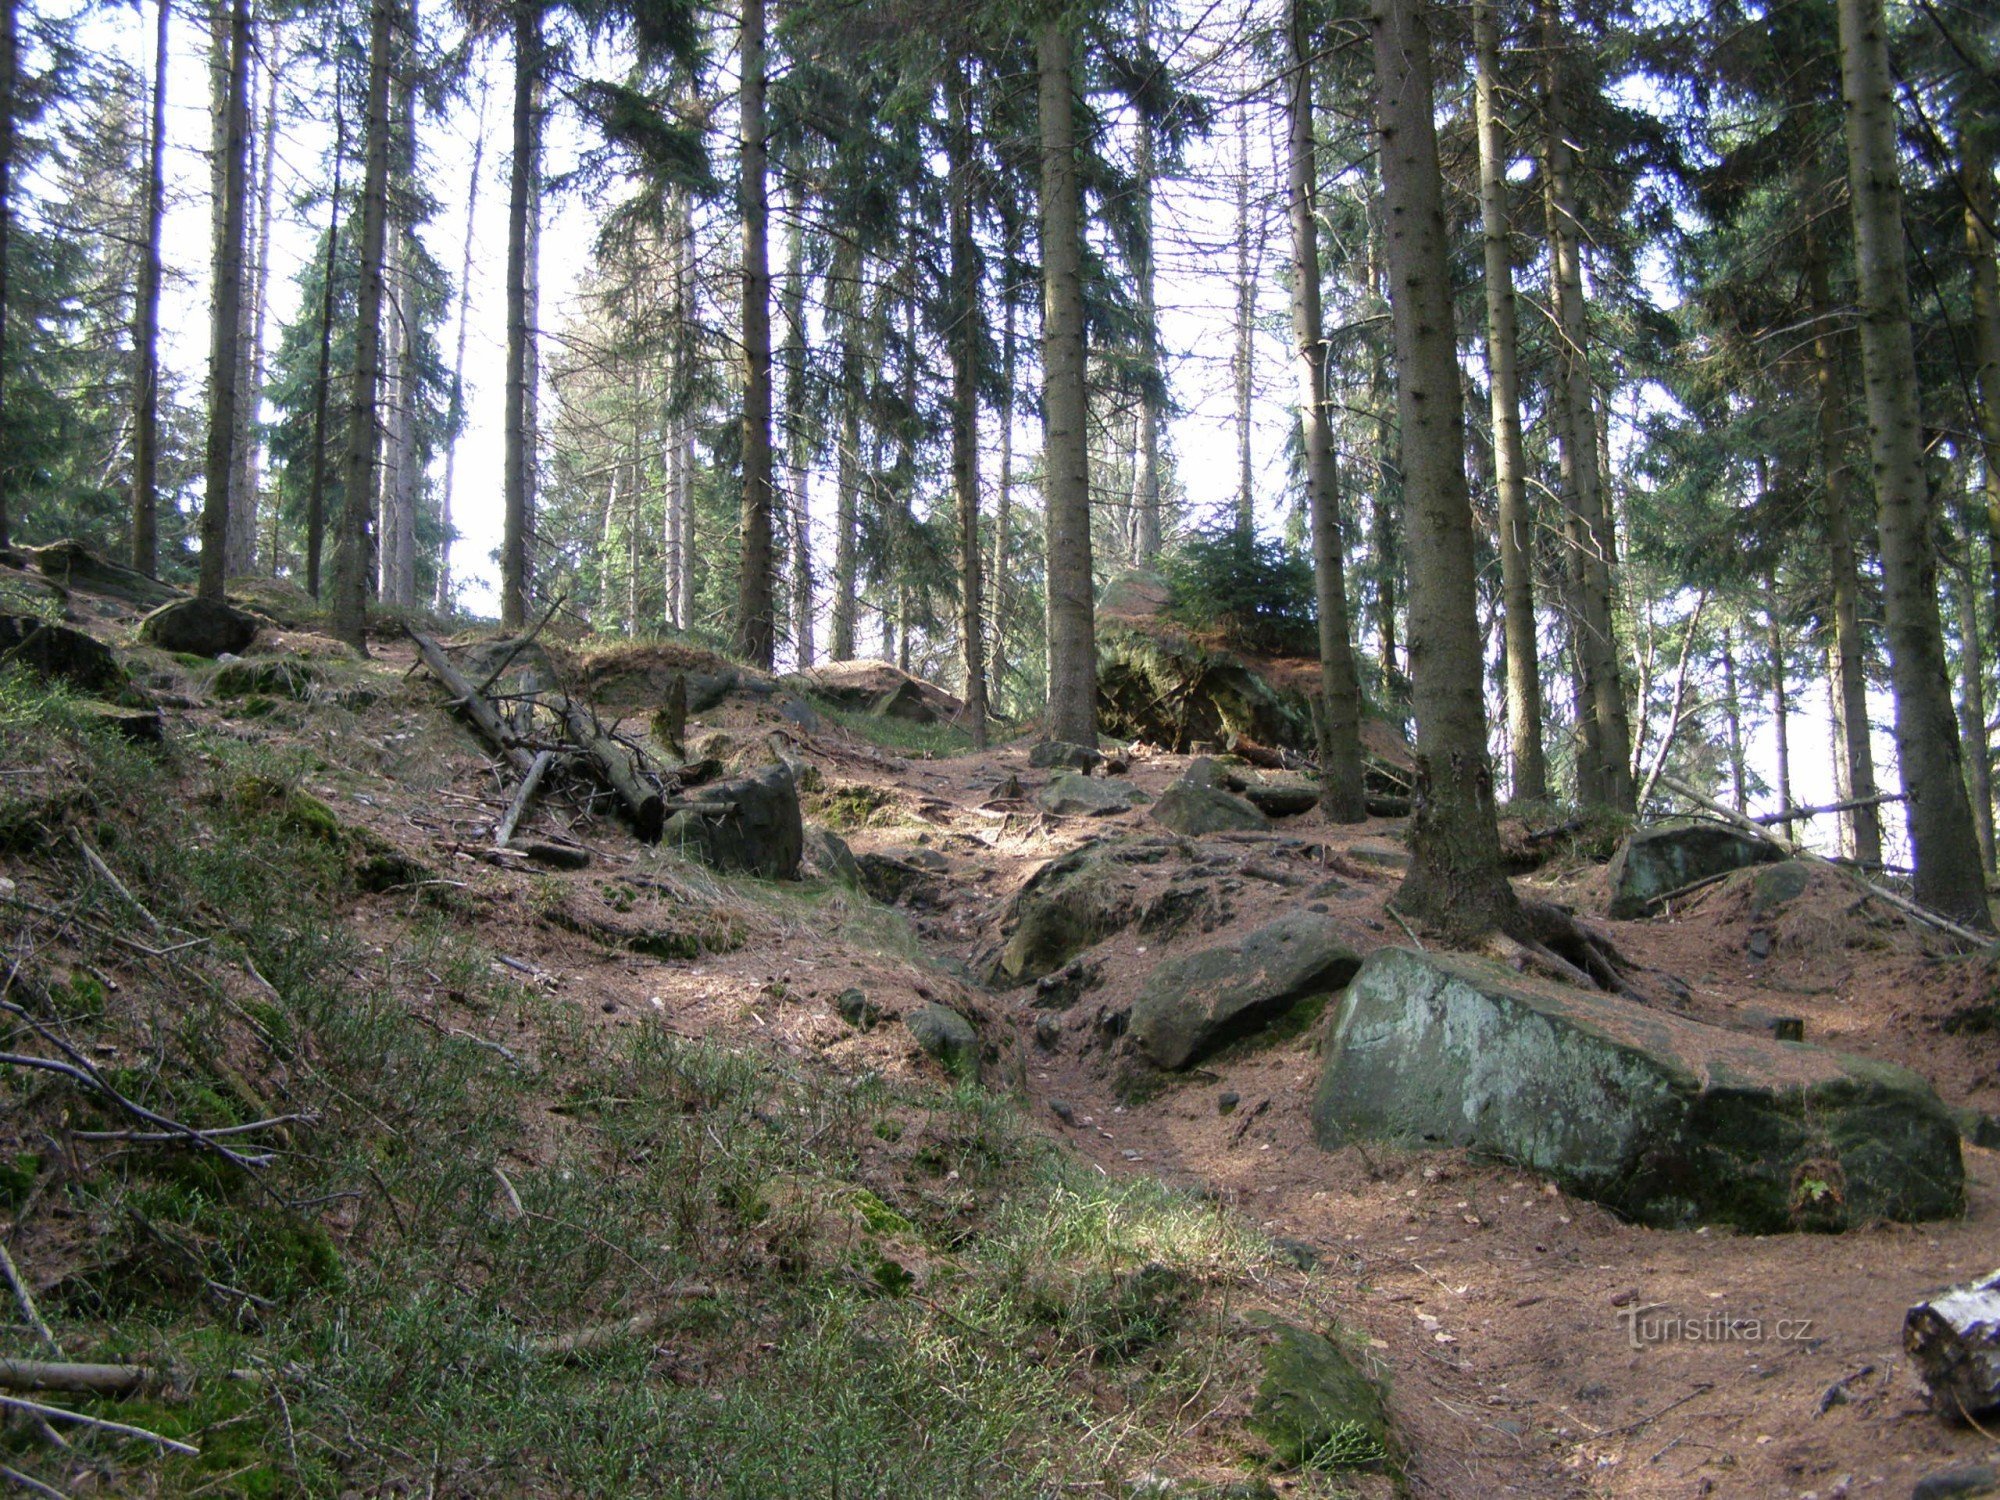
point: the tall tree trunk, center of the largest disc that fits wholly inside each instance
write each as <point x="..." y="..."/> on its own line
<point x="1341" y="792"/>
<point x="1242" y="365"/>
<point x="518" y="461"/>
<point x="966" y="337"/>
<point x="1972" y="703"/>
<point x="10" y="60"/>
<point x="323" y="378"/>
<point x="146" y="337"/>
<point x="1003" y="504"/>
<point x="350" y="553"/>
<point x="1836" y="718"/>
<point x="455" y="417"/>
<point x="684" y="301"/>
<point x="393" y="430"/>
<point x="250" y="453"/>
<point x="1530" y="776"/>
<point x="1849" y="645"/>
<point x="1948" y="876"/>
<point x="1581" y="464"/>
<point x="1455" y="882"/>
<point x="1152" y="377"/>
<point x="225" y="316"/>
<point x="1733" y="711"/>
<point x="1975" y="176"/>
<point x="798" y="455"/>
<point x="1072" y="631"/>
<point x="756" y="627"/>
<point x="1781" y="704"/>
<point x="404" y="477"/>
<point x="847" y="463"/>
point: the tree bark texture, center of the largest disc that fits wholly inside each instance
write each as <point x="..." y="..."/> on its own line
<point x="518" y="461"/>
<point x="756" y="624"/>
<point x="146" y="337"/>
<point x="225" y="327"/>
<point x="966" y="336"/>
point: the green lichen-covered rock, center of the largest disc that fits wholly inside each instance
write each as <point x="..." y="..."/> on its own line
<point x="1654" y="862"/>
<point x="1663" y="1119"/>
<point x="1158" y="685"/>
<point x="1188" y="1007"/>
<point x="56" y="651"/>
<point x="1072" y="795"/>
<point x="1066" y="906"/>
<point x="1775" y="885"/>
<point x="1192" y="810"/>
<point x="947" y="1036"/>
<point x="274" y="677"/>
<point x="1315" y="1406"/>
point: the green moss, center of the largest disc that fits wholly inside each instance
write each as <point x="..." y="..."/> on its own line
<point x="1316" y="1406"/>
<point x="878" y="1216"/>
<point x="17" y="1177"/>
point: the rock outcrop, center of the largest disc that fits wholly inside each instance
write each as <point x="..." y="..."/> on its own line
<point x="1654" y="862"/>
<point x="1665" y="1120"/>
<point x="750" y="825"/>
<point x="199" y="627"/>
<point x="1190" y="1006"/>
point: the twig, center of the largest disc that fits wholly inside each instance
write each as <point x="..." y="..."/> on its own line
<point x="31" y="1484"/>
<point x="519" y="646"/>
<point x="1390" y="908"/>
<point x="89" y="1076"/>
<point x="156" y="1136"/>
<point x="523" y="795"/>
<point x="101" y="1424"/>
<point x="1701" y="1389"/>
<point x="22" y="1296"/>
<point x="96" y="862"/>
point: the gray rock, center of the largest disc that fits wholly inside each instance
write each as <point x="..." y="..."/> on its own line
<point x="760" y="834"/>
<point x="829" y="856"/>
<point x="1053" y="754"/>
<point x="900" y="881"/>
<point x="198" y="627"/>
<point x="72" y="565"/>
<point x="1073" y="795"/>
<point x="1188" y="1007"/>
<point x="1653" y="862"/>
<point x="1069" y="984"/>
<point x="1066" y="906"/>
<point x="798" y="711"/>
<point x="947" y="1036"/>
<point x="1665" y="1120"/>
<point x="1280" y="796"/>
<point x="56" y="651"/>
<point x="1315" y="1406"/>
<point x="1191" y="809"/>
<point x="857" y="1010"/>
<point x="1959" y="1482"/>
<point x="1385" y="856"/>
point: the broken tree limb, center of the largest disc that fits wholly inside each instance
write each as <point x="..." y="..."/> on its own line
<point x="1903" y="904"/>
<point x="523" y="795"/>
<point x="485" y="718"/>
<point x="26" y="1301"/>
<point x="98" y="1424"/>
<point x="1953" y="1338"/>
<point x="619" y="766"/>
<point x="1851" y="805"/>
<point x="79" y="1379"/>
<point x="562" y="1345"/>
<point x="517" y="648"/>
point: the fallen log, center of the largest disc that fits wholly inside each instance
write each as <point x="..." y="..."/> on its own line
<point x="523" y="795"/>
<point x="1953" y="1339"/>
<point x="474" y="704"/>
<point x="1903" y="904"/>
<point x="619" y="766"/>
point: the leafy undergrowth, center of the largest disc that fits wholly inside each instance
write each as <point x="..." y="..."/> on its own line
<point x="443" y="1235"/>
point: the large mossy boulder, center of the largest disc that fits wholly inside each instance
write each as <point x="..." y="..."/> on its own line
<point x="1161" y="686"/>
<point x="74" y="566"/>
<point x="1655" y="862"/>
<point x="1665" y="1120"/>
<point x="1192" y="809"/>
<point x="1190" y="1006"/>
<point x="1315" y="1405"/>
<point x="1068" y="905"/>
<point x="199" y="627"/>
<point x="750" y="825"/>
<point x="59" y="653"/>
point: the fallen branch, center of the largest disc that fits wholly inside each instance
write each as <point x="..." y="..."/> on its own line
<point x="562" y="1345"/>
<point x="1903" y="904"/>
<point x="26" y="1301"/>
<point x="100" y="1424"/>
<point x="80" y="1378"/>
<point x="96" y="862"/>
<point x="620" y="768"/>
<point x="1853" y="804"/>
<point x="507" y="660"/>
<point x="523" y="795"/>
<point x="485" y="718"/>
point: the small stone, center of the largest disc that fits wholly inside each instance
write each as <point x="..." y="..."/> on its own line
<point x="1048" y="1033"/>
<point x="1227" y="1100"/>
<point x="857" y="1010"/>
<point x="1062" y="1111"/>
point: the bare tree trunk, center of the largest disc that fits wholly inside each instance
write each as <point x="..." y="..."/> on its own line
<point x="225" y="315"/>
<point x="1530" y="777"/>
<point x="847" y="464"/>
<point x="323" y="380"/>
<point x="1003" y="505"/>
<point x="1732" y="708"/>
<point x="404" y="477"/>
<point x="456" y="414"/>
<point x="1072" y="634"/>
<point x="350" y="553"/>
<point x="1975" y="175"/>
<point x="1242" y="366"/>
<point x="1948" y="873"/>
<point x="1780" y="704"/>
<point x="1341" y="792"/>
<point x="1455" y="882"/>
<point x="798" y="457"/>
<point x="10" y="59"/>
<point x="1857" y="756"/>
<point x="756" y="627"/>
<point x="1577" y="429"/>
<point x="1152" y="377"/>
<point x="1972" y="704"/>
<point x="251" y="452"/>
<point x="680" y="422"/>
<point x="518" y="461"/>
<point x="1836" y="715"/>
<point x="966" y="336"/>
<point x="146" y="337"/>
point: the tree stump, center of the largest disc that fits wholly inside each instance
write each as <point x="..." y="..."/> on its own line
<point x="1954" y="1340"/>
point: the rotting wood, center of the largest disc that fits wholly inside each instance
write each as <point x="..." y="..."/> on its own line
<point x="1903" y="904"/>
<point x="620" y="767"/>
<point x="474" y="704"/>
<point x="523" y="795"/>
